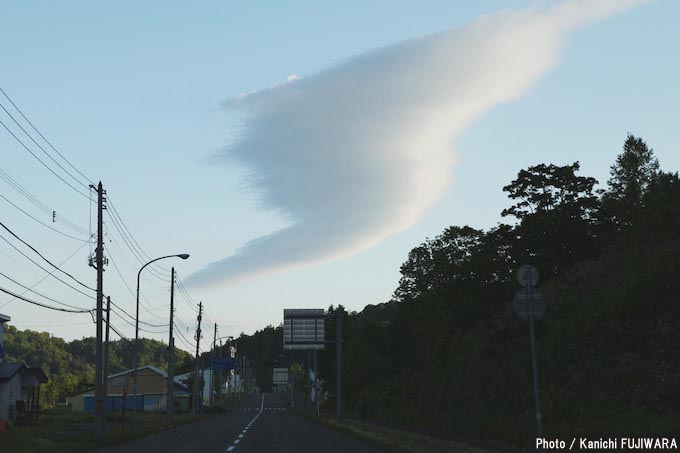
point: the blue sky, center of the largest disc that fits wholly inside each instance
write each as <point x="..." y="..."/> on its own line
<point x="134" y="95"/>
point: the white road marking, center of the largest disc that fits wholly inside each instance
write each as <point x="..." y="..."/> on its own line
<point x="240" y="436"/>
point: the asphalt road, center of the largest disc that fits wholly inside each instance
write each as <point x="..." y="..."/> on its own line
<point x="262" y="424"/>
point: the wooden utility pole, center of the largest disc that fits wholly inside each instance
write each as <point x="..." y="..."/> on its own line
<point x="197" y="386"/>
<point x="106" y="355"/>
<point x="212" y="365"/>
<point x="219" y="375"/>
<point x="170" y="398"/>
<point x="99" y="420"/>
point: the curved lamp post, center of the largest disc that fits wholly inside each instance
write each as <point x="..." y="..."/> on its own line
<point x="134" y="397"/>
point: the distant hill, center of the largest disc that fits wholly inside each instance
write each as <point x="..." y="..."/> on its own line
<point x="70" y="365"/>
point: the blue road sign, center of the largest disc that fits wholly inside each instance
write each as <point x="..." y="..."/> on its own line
<point x="222" y="363"/>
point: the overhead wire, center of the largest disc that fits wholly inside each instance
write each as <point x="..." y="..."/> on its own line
<point x="45" y="259"/>
<point x="117" y="221"/>
<point x="41" y="222"/>
<point x="135" y="252"/>
<point x="41" y="205"/>
<point x="142" y="298"/>
<point x="133" y="318"/>
<point x="41" y="161"/>
<point x="30" y="289"/>
<point x="45" y="277"/>
<point x="132" y="238"/>
<point x="122" y="337"/>
<point x="43" y="137"/>
<point x="143" y="276"/>
<point x="182" y="338"/>
<point x="41" y="148"/>
<point x="141" y="329"/>
<point x="40" y="304"/>
<point x="50" y="273"/>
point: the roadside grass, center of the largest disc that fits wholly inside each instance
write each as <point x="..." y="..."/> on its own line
<point x="64" y="431"/>
<point x="395" y="440"/>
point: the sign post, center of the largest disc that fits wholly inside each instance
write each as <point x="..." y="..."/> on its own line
<point x="304" y="329"/>
<point x="534" y="309"/>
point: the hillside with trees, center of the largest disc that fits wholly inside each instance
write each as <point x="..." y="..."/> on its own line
<point x="70" y="365"/>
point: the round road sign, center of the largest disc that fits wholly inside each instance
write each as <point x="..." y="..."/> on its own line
<point x="527" y="274"/>
<point x="521" y="304"/>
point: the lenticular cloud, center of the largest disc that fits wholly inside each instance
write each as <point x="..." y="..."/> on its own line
<point x="360" y="151"/>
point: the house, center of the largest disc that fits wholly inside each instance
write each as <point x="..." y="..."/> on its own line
<point x="151" y="392"/>
<point x="206" y="376"/>
<point x="19" y="386"/>
<point x="229" y="383"/>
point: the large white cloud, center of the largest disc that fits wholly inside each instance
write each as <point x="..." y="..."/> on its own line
<point x="360" y="151"/>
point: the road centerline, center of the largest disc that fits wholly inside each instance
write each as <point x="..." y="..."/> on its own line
<point x="245" y="429"/>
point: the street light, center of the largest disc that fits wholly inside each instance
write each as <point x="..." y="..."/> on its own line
<point x="134" y="397"/>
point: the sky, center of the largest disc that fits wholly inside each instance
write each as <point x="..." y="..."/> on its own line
<point x="298" y="151"/>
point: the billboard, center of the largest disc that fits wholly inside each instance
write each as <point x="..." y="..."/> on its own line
<point x="303" y="328"/>
<point x="280" y="376"/>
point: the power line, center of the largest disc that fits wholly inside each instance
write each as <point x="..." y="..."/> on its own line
<point x="133" y="318"/>
<point x="41" y="222"/>
<point x="134" y="251"/>
<point x="131" y="324"/>
<point x="191" y="303"/>
<point x="183" y="338"/>
<point x="38" y="293"/>
<point x="41" y="304"/>
<point x="122" y="337"/>
<point x="37" y="202"/>
<point x="48" y="275"/>
<point x="40" y="160"/>
<point x="45" y="259"/>
<point x="25" y="326"/>
<point x="43" y="137"/>
<point x="135" y="268"/>
<point x="132" y="237"/>
<point x="147" y="310"/>
<point x="41" y="148"/>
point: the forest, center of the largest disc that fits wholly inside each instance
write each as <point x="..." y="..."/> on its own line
<point x="448" y="355"/>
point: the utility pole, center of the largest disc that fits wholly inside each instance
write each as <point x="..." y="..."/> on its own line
<point x="99" y="419"/>
<point x="212" y="370"/>
<point x="106" y="355"/>
<point x="338" y="353"/>
<point x="219" y="376"/>
<point x="197" y="387"/>
<point x="170" y="398"/>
